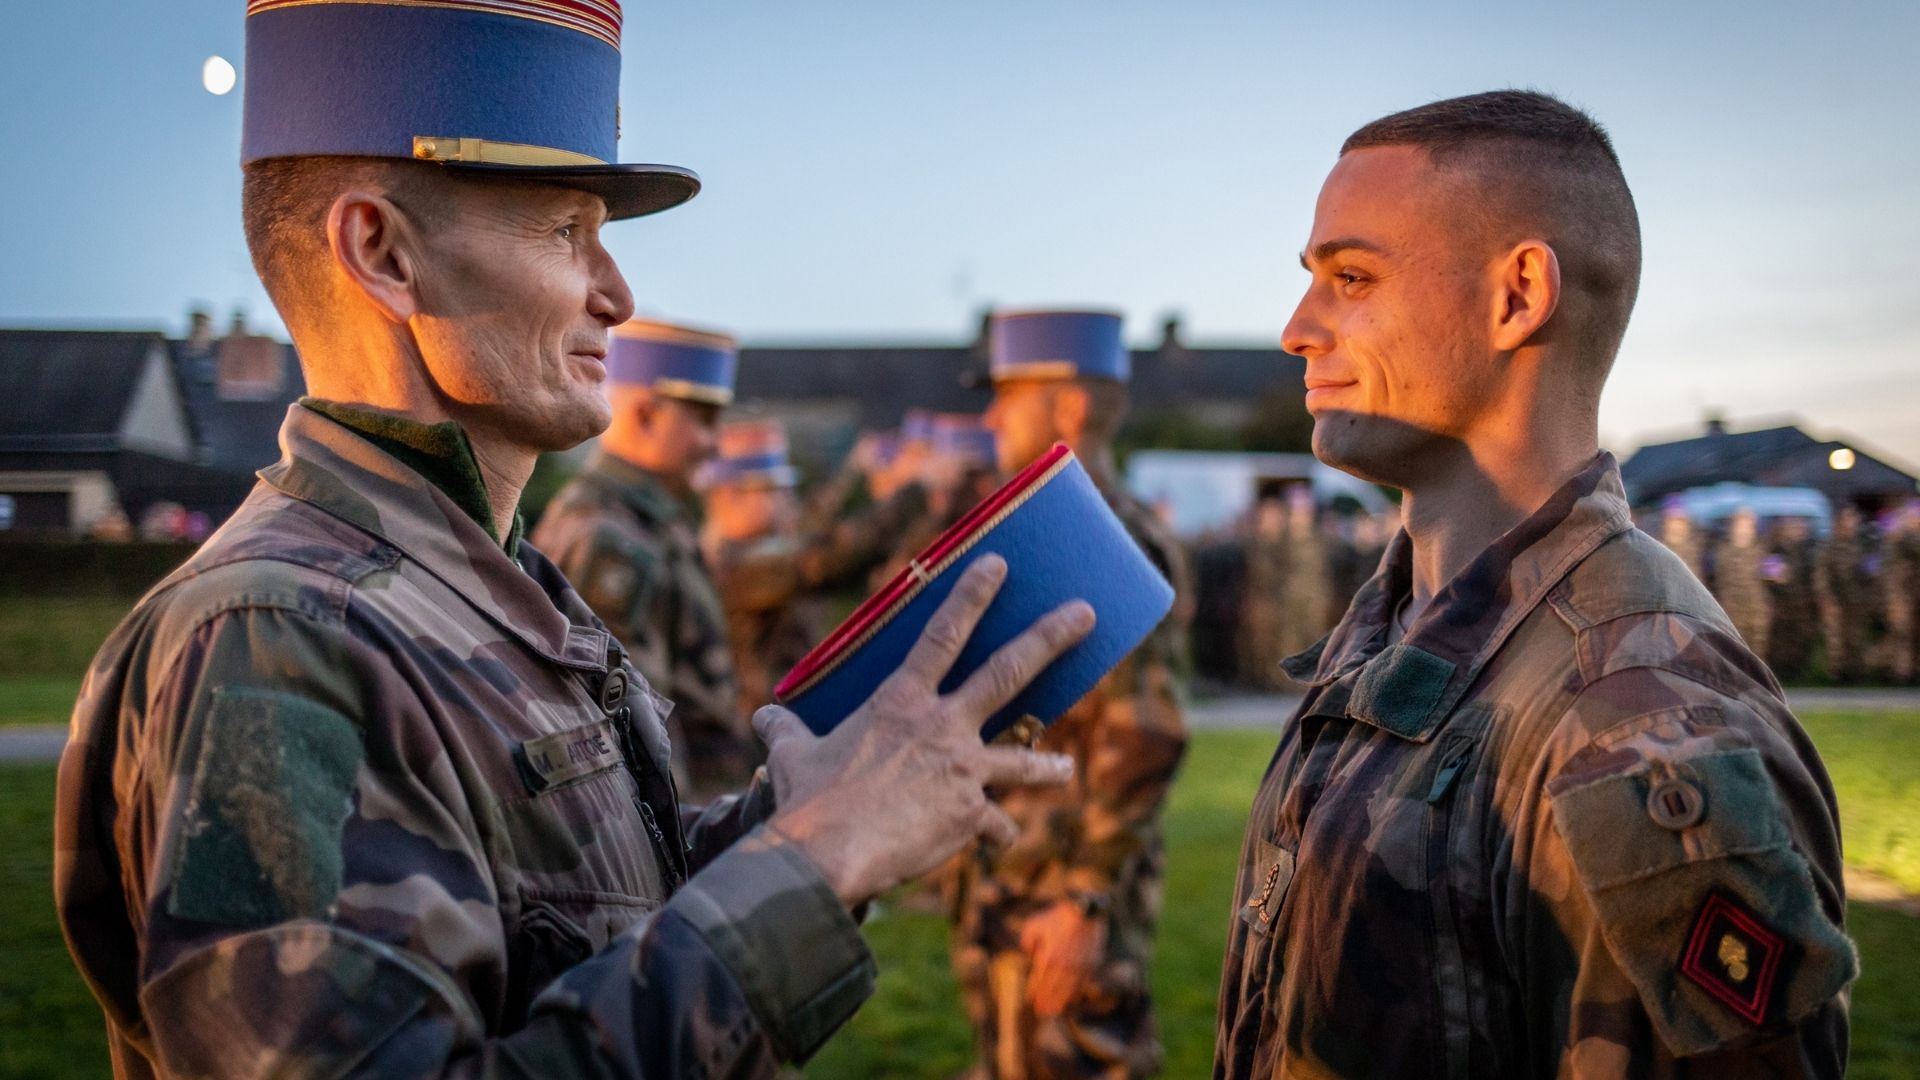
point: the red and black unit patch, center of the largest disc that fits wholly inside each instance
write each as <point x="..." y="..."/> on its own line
<point x="1734" y="956"/>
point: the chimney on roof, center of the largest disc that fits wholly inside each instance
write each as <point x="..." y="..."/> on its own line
<point x="1171" y="347"/>
<point x="238" y="328"/>
<point x="199" y="329"/>
<point x="1716" y="423"/>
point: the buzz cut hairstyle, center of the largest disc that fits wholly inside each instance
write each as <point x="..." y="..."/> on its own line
<point x="1544" y="167"/>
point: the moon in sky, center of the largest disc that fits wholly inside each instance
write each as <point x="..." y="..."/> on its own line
<point x="217" y="75"/>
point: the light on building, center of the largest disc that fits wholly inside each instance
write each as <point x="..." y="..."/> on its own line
<point x="217" y="75"/>
<point x="1840" y="460"/>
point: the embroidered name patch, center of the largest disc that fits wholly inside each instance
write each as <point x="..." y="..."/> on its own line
<point x="1735" y="957"/>
<point x="552" y="760"/>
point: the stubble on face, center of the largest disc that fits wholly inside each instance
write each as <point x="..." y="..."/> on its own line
<point x="505" y="329"/>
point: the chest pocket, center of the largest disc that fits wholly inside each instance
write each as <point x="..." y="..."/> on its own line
<point x="1455" y="880"/>
<point x="1272" y="875"/>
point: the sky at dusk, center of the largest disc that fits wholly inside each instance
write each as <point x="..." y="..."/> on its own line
<point x="881" y="171"/>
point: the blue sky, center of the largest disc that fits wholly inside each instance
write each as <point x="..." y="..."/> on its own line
<point x="882" y="170"/>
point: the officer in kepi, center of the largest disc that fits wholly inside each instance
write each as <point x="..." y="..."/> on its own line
<point x="1054" y="933"/>
<point x="365" y="788"/>
<point x="623" y="532"/>
<point x="1541" y="812"/>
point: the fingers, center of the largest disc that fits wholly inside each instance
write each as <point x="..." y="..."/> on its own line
<point x="775" y="725"/>
<point x="1007" y="766"/>
<point x="1019" y="661"/>
<point x="996" y="827"/>
<point x="952" y="624"/>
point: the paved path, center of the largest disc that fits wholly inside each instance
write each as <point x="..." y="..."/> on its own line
<point x="1234" y="712"/>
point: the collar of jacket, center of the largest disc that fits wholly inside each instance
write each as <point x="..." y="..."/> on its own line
<point x="1409" y="687"/>
<point x="639" y="488"/>
<point x="338" y="470"/>
<point x="440" y="452"/>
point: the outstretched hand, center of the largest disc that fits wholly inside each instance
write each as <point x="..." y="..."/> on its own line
<point x="900" y="785"/>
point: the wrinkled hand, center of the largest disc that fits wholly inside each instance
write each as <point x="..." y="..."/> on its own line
<point x="1063" y="944"/>
<point x="900" y="785"/>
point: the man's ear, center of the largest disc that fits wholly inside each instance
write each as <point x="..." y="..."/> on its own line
<point x="1526" y="292"/>
<point x="371" y="244"/>
<point x="1071" y="403"/>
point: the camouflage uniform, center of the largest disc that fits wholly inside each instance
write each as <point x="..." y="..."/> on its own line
<point x="1264" y="613"/>
<point x="770" y="588"/>
<point x="352" y="792"/>
<point x="1840" y="591"/>
<point x="1566" y="827"/>
<point x="1900" y="578"/>
<point x="1794" y="617"/>
<point x="1741" y="589"/>
<point x="1307" y="594"/>
<point x="626" y="540"/>
<point x="1097" y="841"/>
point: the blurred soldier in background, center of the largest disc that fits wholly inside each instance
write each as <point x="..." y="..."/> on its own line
<point x="770" y="568"/>
<point x="1900" y="585"/>
<point x="1840" y="592"/>
<point x="622" y="531"/>
<point x="1738" y="583"/>
<point x="957" y="467"/>
<point x="1678" y="533"/>
<point x="1795" y="619"/>
<point x="1263" y="605"/>
<point x="1053" y="933"/>
<point x="1306" y="587"/>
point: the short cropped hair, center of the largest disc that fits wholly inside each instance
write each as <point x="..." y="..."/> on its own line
<point x="284" y="204"/>
<point x="1541" y="167"/>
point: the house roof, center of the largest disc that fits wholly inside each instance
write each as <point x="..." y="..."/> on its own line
<point x="69" y="390"/>
<point x="237" y="433"/>
<point x="1782" y="456"/>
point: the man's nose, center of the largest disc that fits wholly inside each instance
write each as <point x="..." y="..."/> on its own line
<point x="1306" y="332"/>
<point x="610" y="301"/>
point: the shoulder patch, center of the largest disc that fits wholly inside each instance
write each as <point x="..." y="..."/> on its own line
<point x="269" y="792"/>
<point x="1734" y="956"/>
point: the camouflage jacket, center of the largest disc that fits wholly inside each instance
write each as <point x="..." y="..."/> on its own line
<point x="1566" y="827"/>
<point x="626" y="542"/>
<point x="352" y="793"/>
<point x="1126" y="737"/>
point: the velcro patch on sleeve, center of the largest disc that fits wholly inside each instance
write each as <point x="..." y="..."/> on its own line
<point x="269" y="793"/>
<point x="1734" y="956"/>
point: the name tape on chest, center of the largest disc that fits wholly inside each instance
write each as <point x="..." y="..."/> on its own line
<point x="552" y="760"/>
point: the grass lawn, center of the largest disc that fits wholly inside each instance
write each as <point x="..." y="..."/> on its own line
<point x="50" y="1027"/>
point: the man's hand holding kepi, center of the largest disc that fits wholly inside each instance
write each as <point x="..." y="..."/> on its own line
<point x="901" y="785"/>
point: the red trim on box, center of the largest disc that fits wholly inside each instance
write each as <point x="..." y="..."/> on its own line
<point x="876" y="609"/>
<point x="1718" y="906"/>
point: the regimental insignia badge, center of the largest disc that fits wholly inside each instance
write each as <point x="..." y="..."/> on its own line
<point x="1734" y="956"/>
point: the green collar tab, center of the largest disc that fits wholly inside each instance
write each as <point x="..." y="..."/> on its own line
<point x="439" y="452"/>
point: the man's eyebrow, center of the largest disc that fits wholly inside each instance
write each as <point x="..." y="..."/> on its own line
<point x="1327" y="249"/>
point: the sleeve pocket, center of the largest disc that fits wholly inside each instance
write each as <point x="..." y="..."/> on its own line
<point x="1662" y="878"/>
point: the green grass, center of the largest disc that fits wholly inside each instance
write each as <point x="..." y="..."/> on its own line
<point x="37" y="699"/>
<point x="913" y="1027"/>
<point x="1874" y="759"/>
<point x="55" y="635"/>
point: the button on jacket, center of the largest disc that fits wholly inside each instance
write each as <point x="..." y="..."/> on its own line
<point x="1565" y="827"/>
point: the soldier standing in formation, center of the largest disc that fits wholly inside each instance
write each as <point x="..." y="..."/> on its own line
<point x="1541" y="813"/>
<point x="1307" y="591"/>
<point x="1900" y="585"/>
<point x="1680" y="536"/>
<point x="1264" y="606"/>
<point x="1794" y="615"/>
<point x="1840" y="593"/>
<point x="1739" y="581"/>
<point x="623" y="531"/>
<point x="365" y="788"/>
<point x="770" y="570"/>
<point x="1054" y="932"/>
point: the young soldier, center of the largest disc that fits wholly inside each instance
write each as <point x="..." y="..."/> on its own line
<point x="1054" y="933"/>
<point x="623" y="532"/>
<point x="1540" y="813"/>
<point x="364" y="788"/>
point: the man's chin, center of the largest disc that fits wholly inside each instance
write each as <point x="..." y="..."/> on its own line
<point x="1377" y="449"/>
